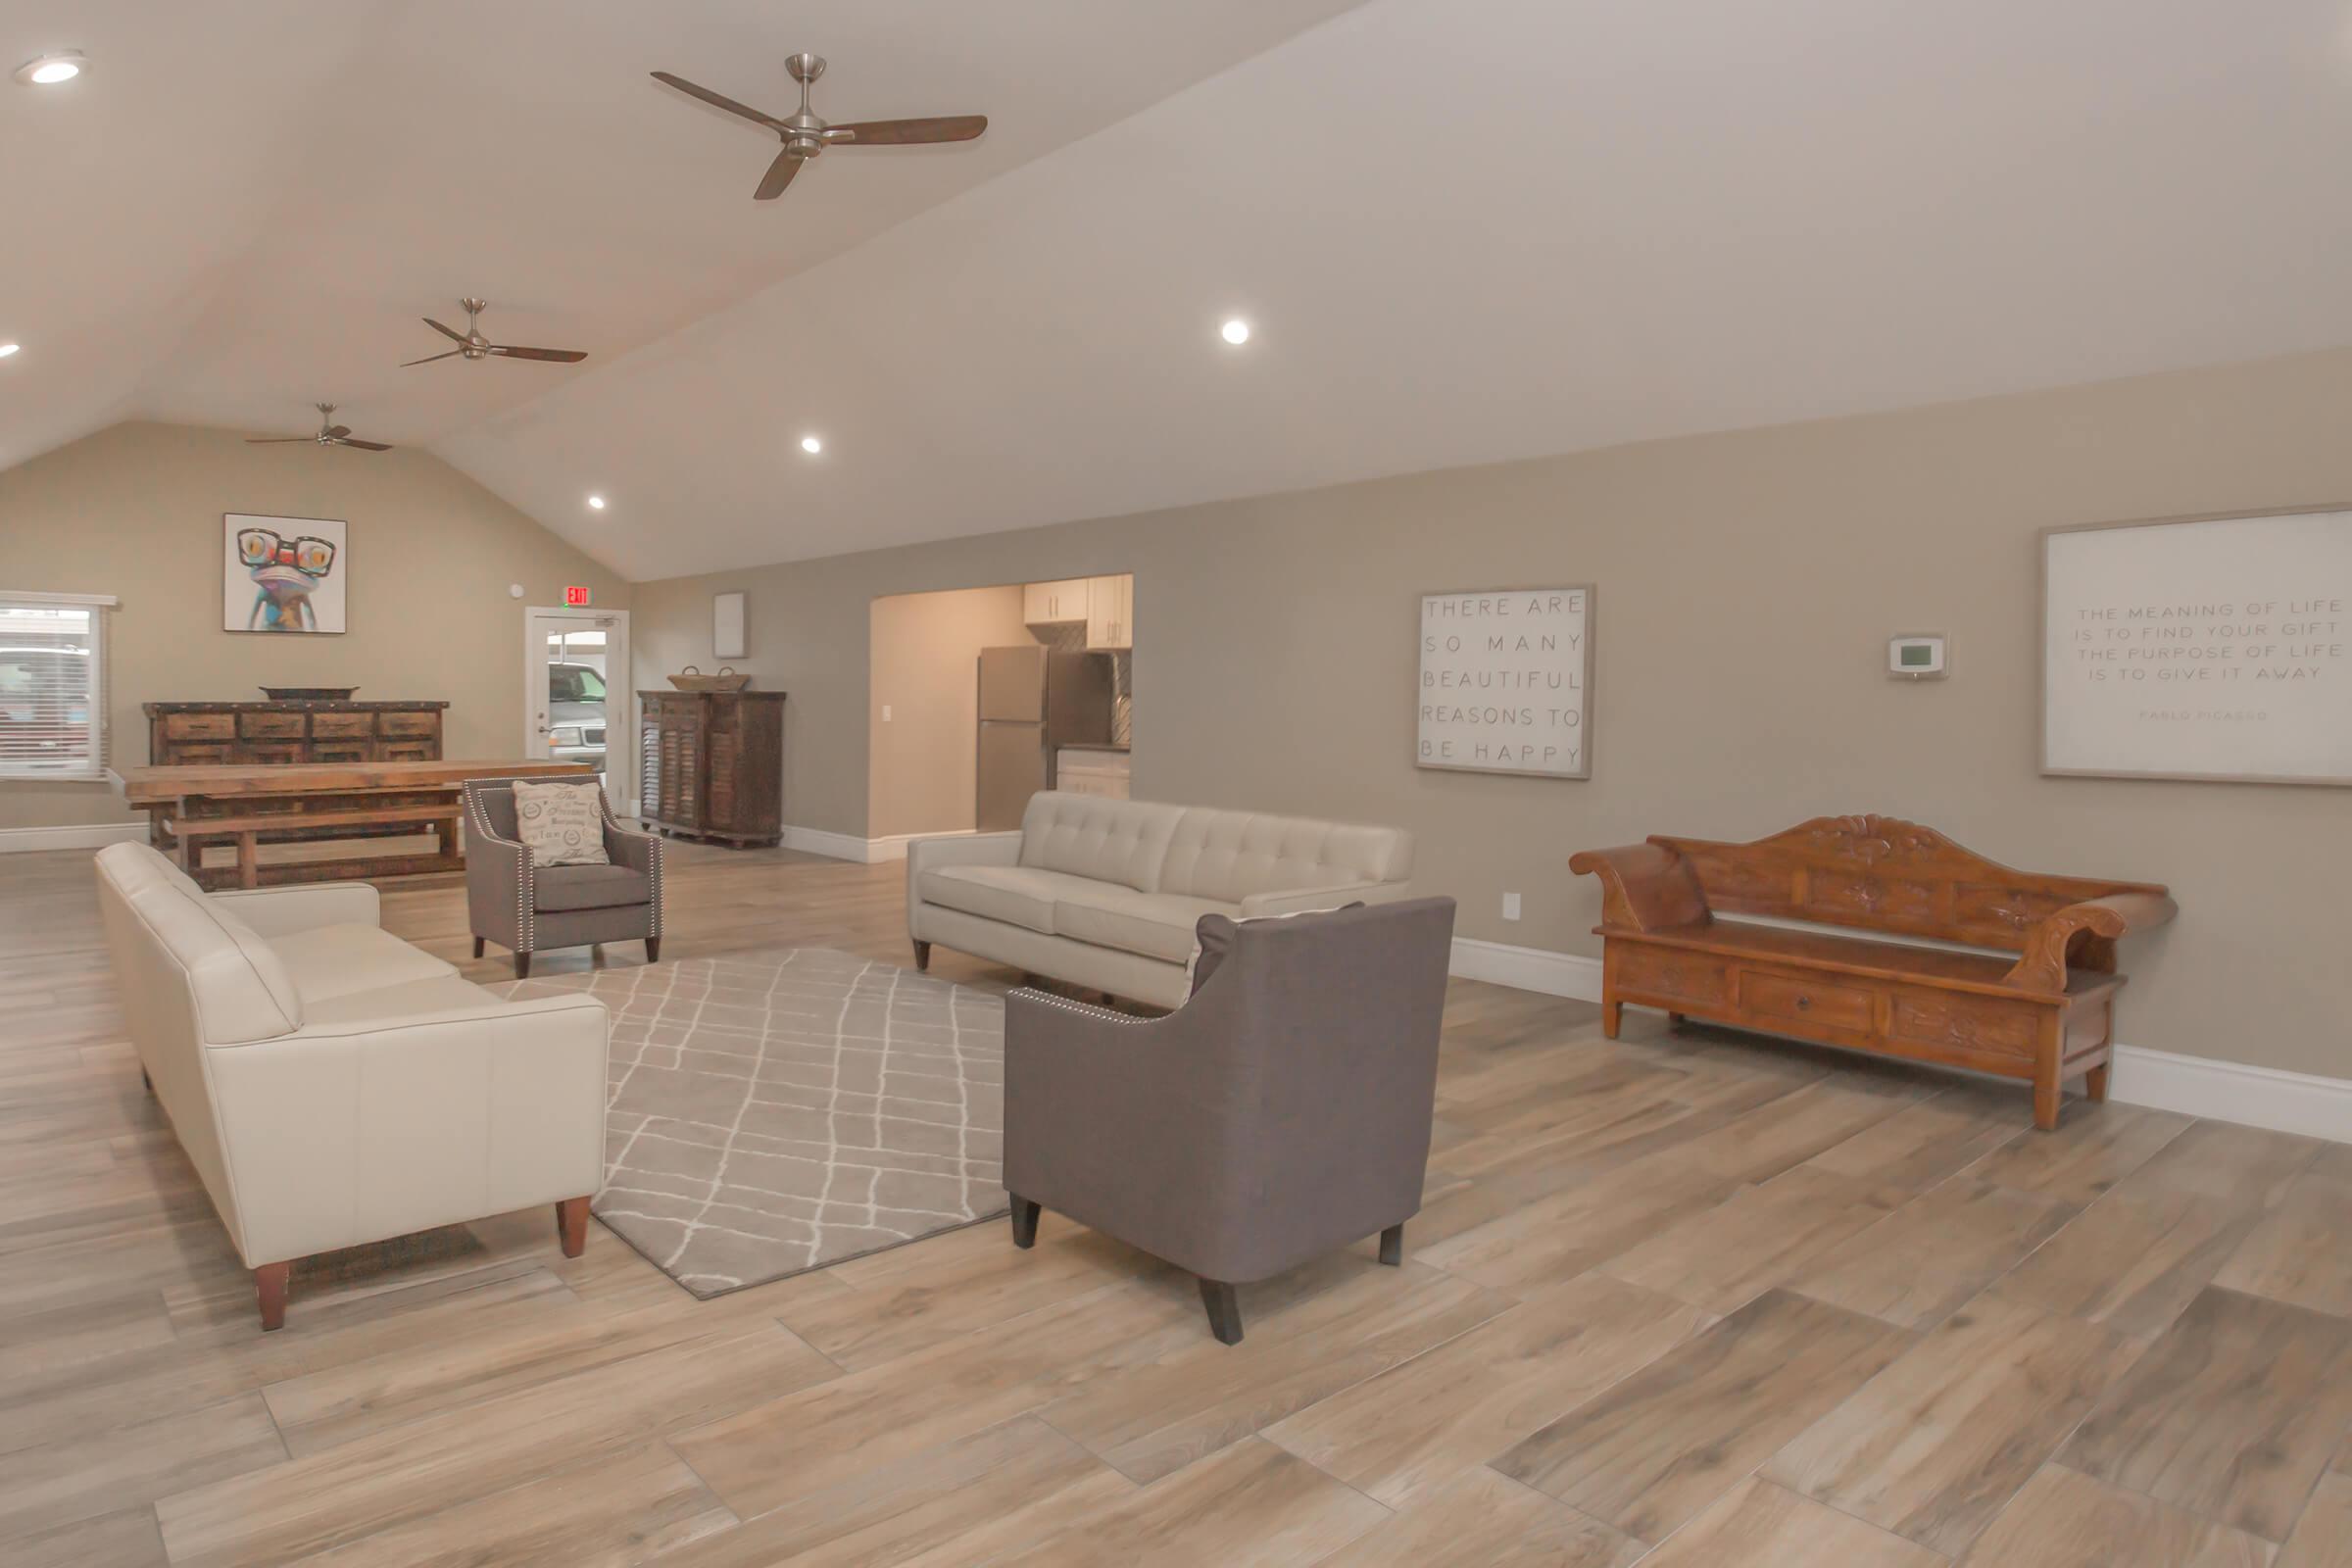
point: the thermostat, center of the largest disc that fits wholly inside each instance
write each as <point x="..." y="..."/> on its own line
<point x="1916" y="656"/>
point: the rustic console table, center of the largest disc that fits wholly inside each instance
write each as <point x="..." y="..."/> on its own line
<point x="198" y="803"/>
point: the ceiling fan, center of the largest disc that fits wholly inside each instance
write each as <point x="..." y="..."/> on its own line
<point x="805" y="135"/>
<point x="474" y="346"/>
<point x="330" y="434"/>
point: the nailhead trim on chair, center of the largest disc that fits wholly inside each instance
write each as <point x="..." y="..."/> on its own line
<point x="652" y="865"/>
<point x="526" y="918"/>
<point x="1083" y="1010"/>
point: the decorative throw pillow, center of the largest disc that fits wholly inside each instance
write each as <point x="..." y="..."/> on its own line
<point x="563" y="823"/>
<point x="1212" y="940"/>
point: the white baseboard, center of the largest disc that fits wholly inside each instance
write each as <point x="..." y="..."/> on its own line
<point x="2270" y="1098"/>
<point x="834" y="846"/>
<point x="849" y="846"/>
<point x="1552" y="974"/>
<point x="892" y="847"/>
<point x="76" y="836"/>
<point x="2234" y="1090"/>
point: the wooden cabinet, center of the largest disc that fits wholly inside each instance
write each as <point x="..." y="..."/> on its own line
<point x="1042" y="603"/>
<point x="710" y="765"/>
<point x="184" y="734"/>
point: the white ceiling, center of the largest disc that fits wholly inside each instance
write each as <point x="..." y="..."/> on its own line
<point x="1467" y="230"/>
<point x="245" y="208"/>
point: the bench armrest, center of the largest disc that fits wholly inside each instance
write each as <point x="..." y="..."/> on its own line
<point x="2083" y="935"/>
<point x="1645" y="887"/>
<point x="284" y="910"/>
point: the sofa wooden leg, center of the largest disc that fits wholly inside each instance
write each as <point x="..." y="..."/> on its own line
<point x="1612" y="1017"/>
<point x="1024" y="1222"/>
<point x="2094" y="1084"/>
<point x="652" y="950"/>
<point x="145" y="1081"/>
<point x="270" y="1285"/>
<point x="1392" y="1246"/>
<point x="1224" y="1304"/>
<point x="479" y="945"/>
<point x="922" y="954"/>
<point x="1673" y="1020"/>
<point x="522" y="966"/>
<point x="571" y="1224"/>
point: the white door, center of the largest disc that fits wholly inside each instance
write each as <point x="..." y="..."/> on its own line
<point x="575" y="694"/>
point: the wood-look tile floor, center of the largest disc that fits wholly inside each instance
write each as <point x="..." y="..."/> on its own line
<point x="1684" y="1299"/>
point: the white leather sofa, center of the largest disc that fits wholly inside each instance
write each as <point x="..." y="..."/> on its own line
<point x="1106" y="893"/>
<point x="333" y="1083"/>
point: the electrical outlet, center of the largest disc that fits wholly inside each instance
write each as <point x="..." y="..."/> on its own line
<point x="1510" y="906"/>
<point x="885" y="713"/>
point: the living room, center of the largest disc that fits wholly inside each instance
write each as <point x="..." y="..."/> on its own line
<point x="1672" y="971"/>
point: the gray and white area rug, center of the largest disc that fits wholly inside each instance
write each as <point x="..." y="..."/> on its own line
<point x="777" y="1110"/>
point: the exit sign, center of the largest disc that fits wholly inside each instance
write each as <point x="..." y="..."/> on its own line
<point x="576" y="596"/>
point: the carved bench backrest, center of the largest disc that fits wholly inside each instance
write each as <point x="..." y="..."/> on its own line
<point x="1881" y="873"/>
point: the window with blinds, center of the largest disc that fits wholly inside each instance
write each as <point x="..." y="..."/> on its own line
<point x="52" y="685"/>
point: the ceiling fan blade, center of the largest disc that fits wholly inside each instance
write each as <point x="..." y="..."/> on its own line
<point x="337" y="432"/>
<point x="431" y="357"/>
<point x="909" y="133"/>
<point x="276" y="440"/>
<point x="559" y="355"/>
<point x="718" y="99"/>
<point x="779" y="175"/>
<point x="450" y="332"/>
<point x="364" y="446"/>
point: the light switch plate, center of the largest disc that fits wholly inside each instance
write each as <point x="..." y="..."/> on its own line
<point x="1510" y="906"/>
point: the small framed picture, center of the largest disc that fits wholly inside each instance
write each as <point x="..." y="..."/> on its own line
<point x="726" y="626"/>
<point x="284" y="575"/>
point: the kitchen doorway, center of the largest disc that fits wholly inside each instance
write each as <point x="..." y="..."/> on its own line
<point x="577" y="701"/>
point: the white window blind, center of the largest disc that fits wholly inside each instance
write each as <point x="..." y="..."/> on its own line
<point x="52" y="685"/>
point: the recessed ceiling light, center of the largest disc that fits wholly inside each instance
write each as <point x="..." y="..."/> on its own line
<point x="50" y="70"/>
<point x="812" y="444"/>
<point x="1235" y="331"/>
<point x="6" y="349"/>
<point x="596" y="503"/>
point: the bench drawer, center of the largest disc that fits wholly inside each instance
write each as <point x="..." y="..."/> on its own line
<point x="1806" y="1001"/>
<point x="1663" y="972"/>
<point x="269" y="727"/>
<point x="342" y="726"/>
<point x="1973" y="1025"/>
<point x="412" y="723"/>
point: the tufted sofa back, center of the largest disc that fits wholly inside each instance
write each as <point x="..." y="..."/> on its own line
<point x="1106" y="839"/>
<point x="1205" y="852"/>
<point x="1233" y="854"/>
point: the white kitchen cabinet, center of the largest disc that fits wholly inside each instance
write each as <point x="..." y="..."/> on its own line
<point x="1045" y="604"/>
<point x="1111" y="613"/>
<point x="1082" y="770"/>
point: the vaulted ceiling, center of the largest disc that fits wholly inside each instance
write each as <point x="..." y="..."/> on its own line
<point x="1465" y="230"/>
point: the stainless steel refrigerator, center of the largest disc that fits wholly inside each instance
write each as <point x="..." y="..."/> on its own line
<point x="1034" y="702"/>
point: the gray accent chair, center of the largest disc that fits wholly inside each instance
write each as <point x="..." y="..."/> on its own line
<point x="526" y="909"/>
<point x="1281" y="1112"/>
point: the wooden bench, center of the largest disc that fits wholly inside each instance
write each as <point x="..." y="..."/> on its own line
<point x="194" y="832"/>
<point x="2047" y="1015"/>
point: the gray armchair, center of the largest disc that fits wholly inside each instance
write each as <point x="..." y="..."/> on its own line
<point x="527" y="908"/>
<point x="1281" y="1112"/>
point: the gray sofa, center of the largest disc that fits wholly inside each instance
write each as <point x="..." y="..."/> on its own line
<point x="1281" y="1112"/>
<point x="1106" y="893"/>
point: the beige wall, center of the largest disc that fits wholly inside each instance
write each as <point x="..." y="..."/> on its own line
<point x="923" y="656"/>
<point x="1746" y="584"/>
<point x="135" y="511"/>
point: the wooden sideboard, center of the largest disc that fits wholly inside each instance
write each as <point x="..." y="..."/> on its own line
<point x="221" y="734"/>
<point x="2046" y="1014"/>
<point x="710" y="765"/>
